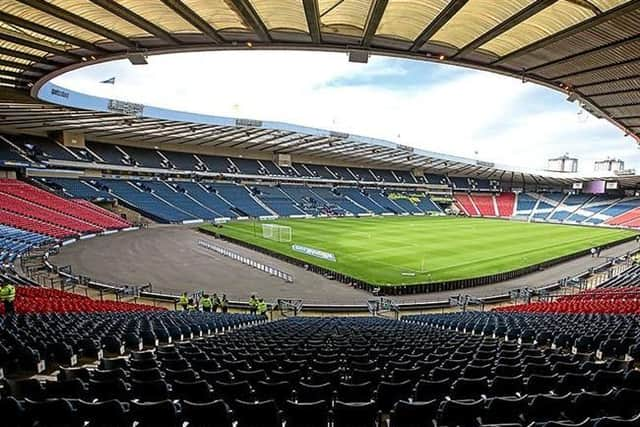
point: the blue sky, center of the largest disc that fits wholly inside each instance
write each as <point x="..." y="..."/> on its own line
<point x="432" y="106"/>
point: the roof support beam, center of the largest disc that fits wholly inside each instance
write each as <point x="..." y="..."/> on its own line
<point x="582" y="54"/>
<point x="12" y="82"/>
<point x="505" y="26"/>
<point x="443" y="17"/>
<point x="373" y="20"/>
<point x="49" y="32"/>
<point x="22" y="55"/>
<point x="39" y="46"/>
<point x="17" y="75"/>
<point x="79" y="21"/>
<point x="251" y="18"/>
<point x="136" y="20"/>
<point x="584" y="25"/>
<point x="312" y="13"/>
<point x="194" y="19"/>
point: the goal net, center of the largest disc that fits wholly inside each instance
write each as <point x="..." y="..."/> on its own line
<point x="279" y="233"/>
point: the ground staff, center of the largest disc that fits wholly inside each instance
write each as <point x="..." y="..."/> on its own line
<point x="216" y="302"/>
<point x="8" y="296"/>
<point x="224" y="304"/>
<point x="206" y="303"/>
<point x="183" y="301"/>
<point x="253" y="304"/>
<point x="262" y="307"/>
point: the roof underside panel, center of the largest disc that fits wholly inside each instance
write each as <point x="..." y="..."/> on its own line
<point x="218" y="14"/>
<point x="346" y="17"/>
<point x="28" y="13"/>
<point x="158" y="13"/>
<point x="405" y="19"/>
<point x="281" y="14"/>
<point x="559" y="16"/>
<point x="476" y="18"/>
<point x="90" y="11"/>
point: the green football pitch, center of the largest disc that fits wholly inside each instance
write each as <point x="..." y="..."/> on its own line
<point x="409" y="250"/>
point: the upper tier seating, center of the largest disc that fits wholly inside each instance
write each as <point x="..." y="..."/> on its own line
<point x="143" y="157"/>
<point x="361" y="368"/>
<point x="319" y="171"/>
<point x="108" y="153"/>
<point x="459" y="183"/>
<point x="14" y="242"/>
<point x="363" y="174"/>
<point x="184" y="161"/>
<point x="76" y="188"/>
<point x="10" y="153"/>
<point x="43" y="149"/>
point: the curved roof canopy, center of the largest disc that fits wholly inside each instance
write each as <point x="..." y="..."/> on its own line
<point x="587" y="48"/>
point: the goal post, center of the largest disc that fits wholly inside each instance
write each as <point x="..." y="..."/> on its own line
<point x="279" y="233"/>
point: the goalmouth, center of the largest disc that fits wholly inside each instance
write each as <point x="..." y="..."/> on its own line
<point x="279" y="233"/>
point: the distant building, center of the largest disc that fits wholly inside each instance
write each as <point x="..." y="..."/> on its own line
<point x="563" y="164"/>
<point x="608" y="165"/>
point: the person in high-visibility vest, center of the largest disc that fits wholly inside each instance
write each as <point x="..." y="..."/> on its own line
<point x="8" y="297"/>
<point x="224" y="303"/>
<point x="253" y="304"/>
<point x="206" y="303"/>
<point x="191" y="305"/>
<point x="183" y="300"/>
<point x="262" y="307"/>
<point x="216" y="302"/>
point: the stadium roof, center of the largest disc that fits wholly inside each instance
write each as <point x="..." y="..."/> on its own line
<point x="115" y="124"/>
<point x="588" y="48"/>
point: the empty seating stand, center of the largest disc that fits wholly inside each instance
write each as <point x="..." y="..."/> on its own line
<point x="14" y="242"/>
<point x="24" y="199"/>
<point x="329" y="372"/>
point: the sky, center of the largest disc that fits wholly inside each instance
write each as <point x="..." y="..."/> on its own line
<point x="435" y="107"/>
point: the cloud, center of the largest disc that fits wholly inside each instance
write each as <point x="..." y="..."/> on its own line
<point x="431" y="106"/>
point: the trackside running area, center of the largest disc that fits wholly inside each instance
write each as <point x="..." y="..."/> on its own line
<point x="410" y="250"/>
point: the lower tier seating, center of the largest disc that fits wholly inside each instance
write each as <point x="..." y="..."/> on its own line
<point x="355" y="372"/>
<point x="14" y="242"/>
<point x="28" y="339"/>
<point x="32" y="299"/>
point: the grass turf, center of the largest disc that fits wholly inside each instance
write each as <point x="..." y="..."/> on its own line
<point x="406" y="250"/>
